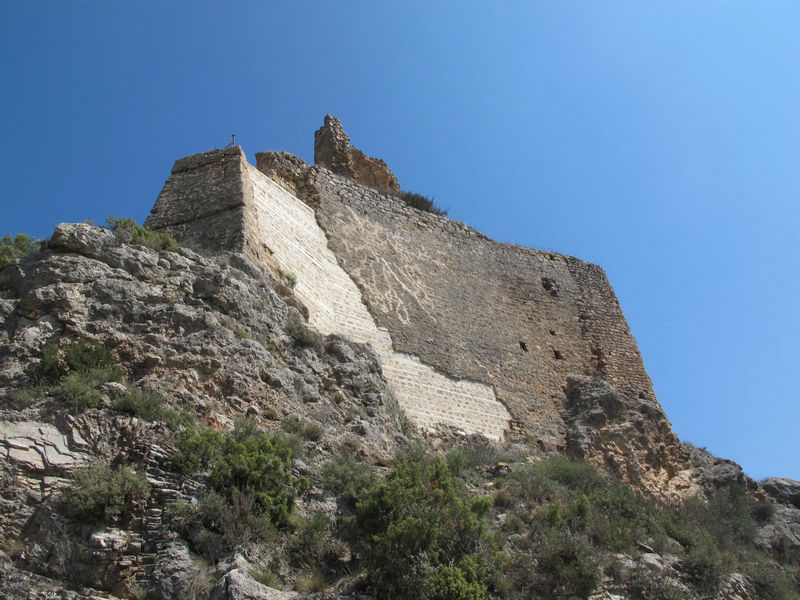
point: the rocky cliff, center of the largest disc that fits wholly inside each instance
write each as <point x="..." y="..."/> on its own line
<point x="472" y="334"/>
<point x="336" y="395"/>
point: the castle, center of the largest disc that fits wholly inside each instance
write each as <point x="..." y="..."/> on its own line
<point x="475" y="335"/>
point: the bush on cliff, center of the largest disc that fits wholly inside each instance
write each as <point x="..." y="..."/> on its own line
<point x="421" y="202"/>
<point x="421" y="539"/>
<point x="16" y="247"/>
<point x="245" y="463"/>
<point x="136" y="234"/>
<point x="101" y="494"/>
<point x="75" y="372"/>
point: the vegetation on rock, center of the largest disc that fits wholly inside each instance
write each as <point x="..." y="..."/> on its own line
<point x="421" y="202"/>
<point x="137" y="234"/>
<point x="101" y="494"/>
<point x="16" y="247"/>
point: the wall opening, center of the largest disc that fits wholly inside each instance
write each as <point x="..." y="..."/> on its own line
<point x="550" y="286"/>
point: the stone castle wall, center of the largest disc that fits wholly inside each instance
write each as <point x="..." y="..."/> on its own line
<point x="517" y="319"/>
<point x="472" y="333"/>
<point x="281" y="232"/>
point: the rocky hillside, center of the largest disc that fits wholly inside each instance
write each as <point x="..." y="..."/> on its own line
<point x="172" y="428"/>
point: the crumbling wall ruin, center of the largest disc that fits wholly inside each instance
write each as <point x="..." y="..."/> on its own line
<point x="472" y="333"/>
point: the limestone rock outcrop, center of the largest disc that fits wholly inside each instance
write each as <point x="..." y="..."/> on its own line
<point x="332" y="150"/>
<point x="629" y="437"/>
<point x="213" y="336"/>
<point x="356" y="328"/>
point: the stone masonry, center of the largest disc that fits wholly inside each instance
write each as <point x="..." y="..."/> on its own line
<point x="472" y="333"/>
<point x="280" y="230"/>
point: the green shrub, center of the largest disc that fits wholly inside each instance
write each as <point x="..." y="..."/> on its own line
<point x="76" y="372"/>
<point x="301" y="335"/>
<point x="22" y="398"/>
<point x="769" y="581"/>
<point x="348" y="479"/>
<point x="258" y="465"/>
<point x="291" y="279"/>
<point x="452" y="583"/>
<point x="150" y="406"/>
<point x="311" y="541"/>
<point x="141" y="235"/>
<point x="52" y="366"/>
<point x="80" y="391"/>
<point x="17" y="247"/>
<point x="236" y="516"/>
<point x="80" y="356"/>
<point x="412" y="525"/>
<point x="198" y="449"/>
<point x="575" y="475"/>
<point x="100" y="493"/>
<point x="705" y="566"/>
<point x="566" y="562"/>
<point x="421" y="202"/>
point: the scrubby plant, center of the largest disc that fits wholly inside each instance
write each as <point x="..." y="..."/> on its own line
<point x="80" y="391"/>
<point x="348" y="479"/>
<point x="265" y="576"/>
<point x="198" y="581"/>
<point x="301" y="335"/>
<point x="644" y="585"/>
<point x="421" y="202"/>
<point x="136" y="234"/>
<point x="150" y="406"/>
<point x="100" y="493"/>
<point x="255" y="463"/>
<point x="198" y="449"/>
<point x="291" y="279"/>
<point x="413" y="525"/>
<point x="311" y="542"/>
<point x="75" y="372"/>
<point x="566" y="564"/>
<point x="81" y="356"/>
<point x="245" y="462"/>
<point x="22" y="398"/>
<point x="16" y="247"/>
<point x="305" y="429"/>
<point x="310" y="581"/>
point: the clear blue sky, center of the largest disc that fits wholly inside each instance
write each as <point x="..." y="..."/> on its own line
<point x="660" y="140"/>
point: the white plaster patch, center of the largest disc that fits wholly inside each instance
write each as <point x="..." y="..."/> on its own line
<point x="289" y="229"/>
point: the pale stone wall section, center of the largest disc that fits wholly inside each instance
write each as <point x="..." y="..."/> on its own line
<point x="289" y="229"/>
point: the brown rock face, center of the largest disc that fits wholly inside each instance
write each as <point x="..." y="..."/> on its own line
<point x="332" y="150"/>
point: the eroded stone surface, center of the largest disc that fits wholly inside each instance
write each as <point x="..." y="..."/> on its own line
<point x="512" y="320"/>
<point x="332" y="150"/>
<point x="288" y="229"/>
